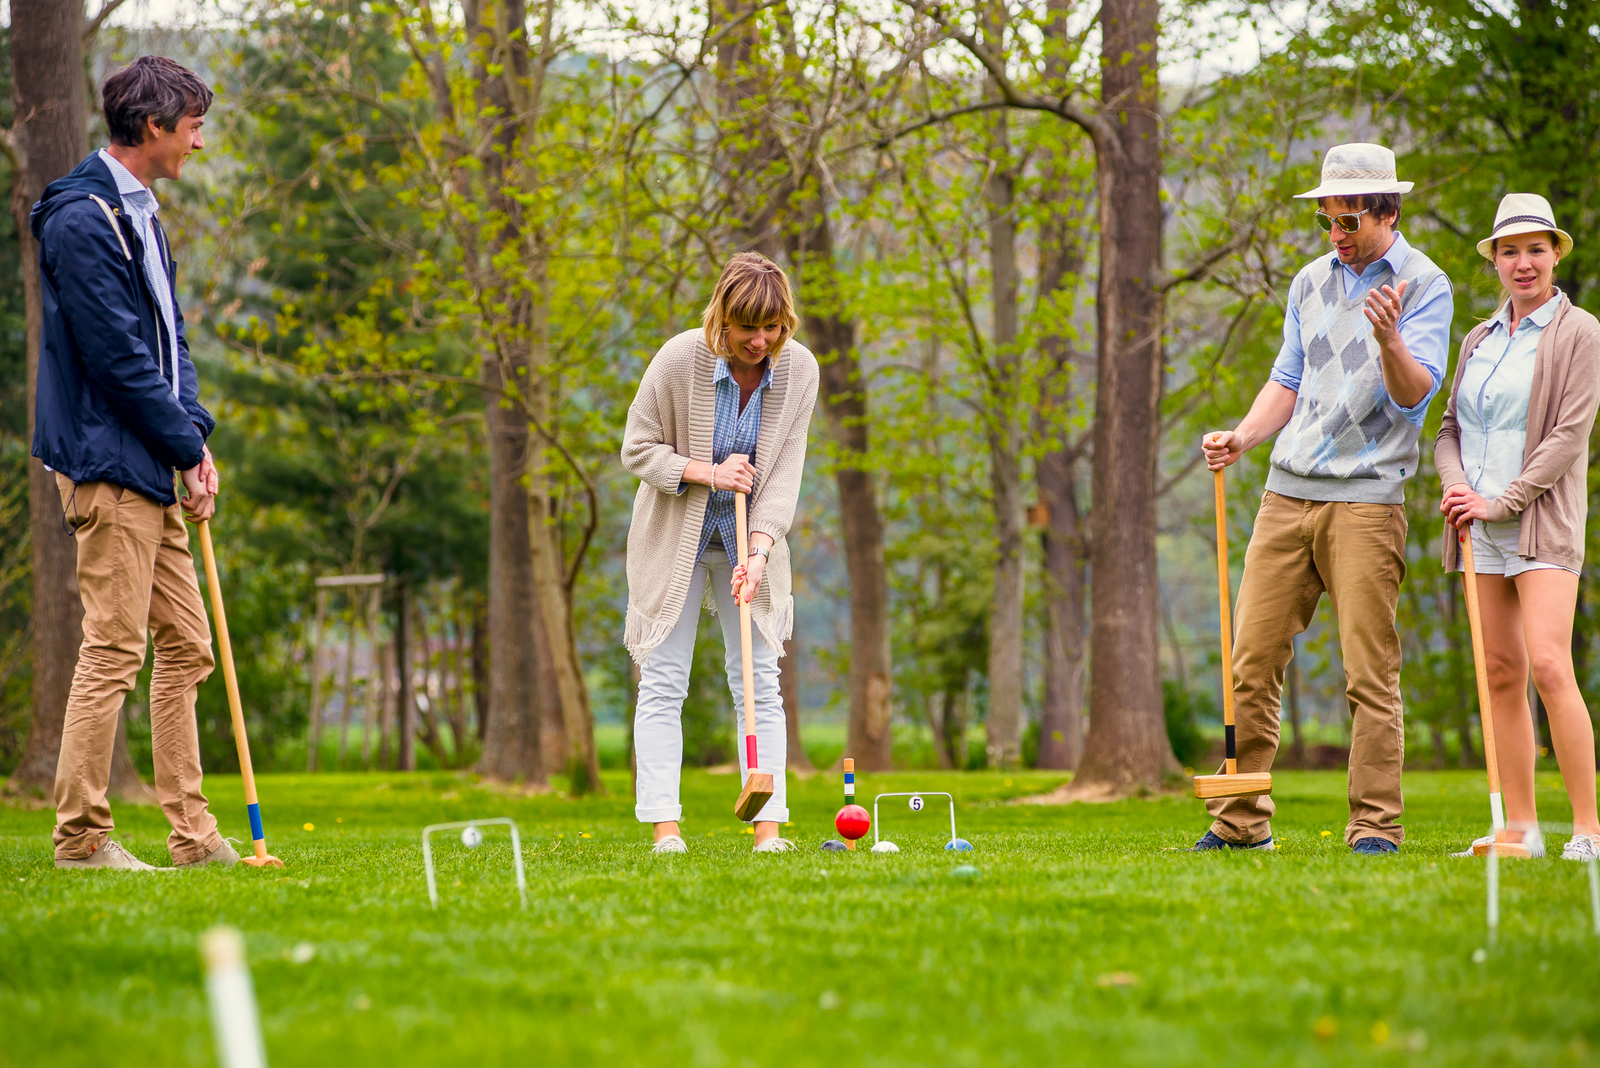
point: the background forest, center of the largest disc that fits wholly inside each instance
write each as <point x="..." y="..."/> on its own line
<point x="1039" y="248"/>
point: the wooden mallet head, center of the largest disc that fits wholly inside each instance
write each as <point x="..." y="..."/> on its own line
<point x="756" y="793"/>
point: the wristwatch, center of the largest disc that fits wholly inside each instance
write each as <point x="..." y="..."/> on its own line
<point x="763" y="553"/>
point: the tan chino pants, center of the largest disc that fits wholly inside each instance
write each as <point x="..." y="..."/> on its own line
<point x="136" y="578"/>
<point x="1356" y="553"/>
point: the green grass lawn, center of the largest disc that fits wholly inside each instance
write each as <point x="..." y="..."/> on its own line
<point x="1084" y="940"/>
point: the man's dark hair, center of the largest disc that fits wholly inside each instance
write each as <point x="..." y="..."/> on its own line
<point x="1383" y="206"/>
<point x="151" y="87"/>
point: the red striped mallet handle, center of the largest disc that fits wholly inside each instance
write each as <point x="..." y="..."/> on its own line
<point x="744" y="645"/>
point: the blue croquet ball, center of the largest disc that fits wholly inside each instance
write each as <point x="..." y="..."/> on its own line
<point x="833" y="845"/>
<point x="959" y="845"/>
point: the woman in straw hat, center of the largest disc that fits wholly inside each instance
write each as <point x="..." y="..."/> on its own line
<point x="1513" y="456"/>
<point x="720" y="410"/>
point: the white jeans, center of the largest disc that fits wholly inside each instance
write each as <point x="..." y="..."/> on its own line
<point x="664" y="683"/>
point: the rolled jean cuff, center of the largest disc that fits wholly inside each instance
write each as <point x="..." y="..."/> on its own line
<point x="771" y="813"/>
<point x="658" y="813"/>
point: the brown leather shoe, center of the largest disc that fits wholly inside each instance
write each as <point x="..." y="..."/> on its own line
<point x="223" y="855"/>
<point x="108" y="854"/>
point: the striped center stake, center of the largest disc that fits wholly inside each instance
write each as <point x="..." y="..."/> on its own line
<point x="849" y="781"/>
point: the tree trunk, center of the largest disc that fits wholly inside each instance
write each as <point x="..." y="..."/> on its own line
<point x="1061" y="718"/>
<point x="1297" y="718"/>
<point x="52" y="136"/>
<point x="869" y="740"/>
<point x="789" y="687"/>
<point x="480" y="666"/>
<point x="1004" y="733"/>
<point x="512" y="747"/>
<point x="1127" y="745"/>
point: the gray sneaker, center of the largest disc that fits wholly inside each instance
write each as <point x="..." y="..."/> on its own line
<point x="108" y="854"/>
<point x="774" y="845"/>
<point x="1582" y="847"/>
<point x="224" y="854"/>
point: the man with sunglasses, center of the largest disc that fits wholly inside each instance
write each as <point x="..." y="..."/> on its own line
<point x="1365" y="344"/>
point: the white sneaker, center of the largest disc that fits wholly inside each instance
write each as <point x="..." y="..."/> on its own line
<point x="672" y="843"/>
<point x="109" y="854"/>
<point x="1582" y="847"/>
<point x="1532" y="839"/>
<point x="774" y="845"/>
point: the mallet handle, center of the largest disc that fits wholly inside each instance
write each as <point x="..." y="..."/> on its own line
<point x="744" y="641"/>
<point x="1469" y="583"/>
<point x="1225" y="612"/>
<point x="230" y="679"/>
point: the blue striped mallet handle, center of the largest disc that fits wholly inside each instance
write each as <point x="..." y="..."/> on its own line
<point x="230" y="679"/>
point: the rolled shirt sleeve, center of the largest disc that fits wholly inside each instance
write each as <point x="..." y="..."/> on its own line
<point x="1291" y="359"/>
<point x="1425" y="329"/>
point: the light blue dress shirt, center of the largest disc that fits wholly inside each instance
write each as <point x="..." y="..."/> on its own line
<point x="733" y="432"/>
<point x="141" y="205"/>
<point x="1425" y="327"/>
<point x="1492" y="400"/>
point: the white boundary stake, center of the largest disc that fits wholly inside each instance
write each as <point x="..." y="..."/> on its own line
<point x="915" y="795"/>
<point x="1492" y="877"/>
<point x="234" y="1018"/>
<point x="472" y="825"/>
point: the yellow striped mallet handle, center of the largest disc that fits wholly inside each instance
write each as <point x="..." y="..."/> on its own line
<point x="1224" y="597"/>
<point x="1469" y="585"/>
<point x="230" y="680"/>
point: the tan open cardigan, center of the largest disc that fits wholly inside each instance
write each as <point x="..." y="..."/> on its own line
<point x="1552" y="494"/>
<point x="670" y="423"/>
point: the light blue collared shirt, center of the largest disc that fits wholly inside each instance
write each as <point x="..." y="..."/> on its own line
<point x="141" y="205"/>
<point x="1492" y="400"/>
<point x="733" y="432"/>
<point x="1425" y="327"/>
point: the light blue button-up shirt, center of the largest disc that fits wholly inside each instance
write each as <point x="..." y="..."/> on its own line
<point x="1424" y="327"/>
<point x="1492" y="400"/>
<point x="733" y="432"/>
<point x="141" y="205"/>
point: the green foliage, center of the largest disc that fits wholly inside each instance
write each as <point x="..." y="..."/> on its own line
<point x="1185" y="711"/>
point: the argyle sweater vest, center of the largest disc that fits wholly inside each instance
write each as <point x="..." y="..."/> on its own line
<point x="1348" y="440"/>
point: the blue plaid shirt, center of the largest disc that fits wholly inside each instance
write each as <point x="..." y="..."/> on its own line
<point x="734" y="432"/>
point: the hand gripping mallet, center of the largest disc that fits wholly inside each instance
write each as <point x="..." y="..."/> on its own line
<point x="1497" y="811"/>
<point x="261" y="859"/>
<point x="1232" y="783"/>
<point x="758" y="784"/>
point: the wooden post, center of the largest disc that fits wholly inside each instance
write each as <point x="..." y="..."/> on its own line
<point x="314" y="736"/>
<point x="406" y="717"/>
<point x="374" y="671"/>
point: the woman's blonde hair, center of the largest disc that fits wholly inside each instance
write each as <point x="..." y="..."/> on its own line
<point x="753" y="291"/>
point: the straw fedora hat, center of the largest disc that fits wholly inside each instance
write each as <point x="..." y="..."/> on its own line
<point x="1357" y="169"/>
<point x="1524" y="213"/>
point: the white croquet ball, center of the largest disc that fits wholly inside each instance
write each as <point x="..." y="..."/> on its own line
<point x="886" y="847"/>
<point x="916" y="803"/>
<point x="471" y="837"/>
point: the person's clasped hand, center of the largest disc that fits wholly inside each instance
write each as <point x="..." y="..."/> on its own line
<point x="747" y="578"/>
<point x="202" y="483"/>
<point x="736" y="473"/>
<point x="1461" y="506"/>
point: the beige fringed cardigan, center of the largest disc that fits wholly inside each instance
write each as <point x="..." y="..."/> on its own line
<point x="1551" y="496"/>
<point x="670" y="423"/>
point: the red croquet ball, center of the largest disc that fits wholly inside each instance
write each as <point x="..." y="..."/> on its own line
<point x="852" y="821"/>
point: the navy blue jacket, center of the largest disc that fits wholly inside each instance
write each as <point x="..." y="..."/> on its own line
<point x="105" y="410"/>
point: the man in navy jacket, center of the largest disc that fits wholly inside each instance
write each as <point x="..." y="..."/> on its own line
<point x="118" y="412"/>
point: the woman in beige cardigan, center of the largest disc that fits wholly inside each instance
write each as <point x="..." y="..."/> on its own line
<point x="1513" y="455"/>
<point x="722" y="409"/>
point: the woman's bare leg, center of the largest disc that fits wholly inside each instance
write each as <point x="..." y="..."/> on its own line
<point x="1506" y="654"/>
<point x="1549" y="599"/>
<point x="667" y="829"/>
<point x="766" y="830"/>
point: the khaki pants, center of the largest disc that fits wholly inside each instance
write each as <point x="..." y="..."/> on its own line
<point x="1356" y="553"/>
<point x="136" y="577"/>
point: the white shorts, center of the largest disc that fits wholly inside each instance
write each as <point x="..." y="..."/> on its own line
<point x="1494" y="550"/>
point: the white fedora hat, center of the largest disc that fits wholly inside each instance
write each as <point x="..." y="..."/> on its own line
<point x="1355" y="170"/>
<point x="1524" y="213"/>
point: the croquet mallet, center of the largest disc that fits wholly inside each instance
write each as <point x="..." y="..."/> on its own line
<point x="1232" y="783"/>
<point x="758" y="784"/>
<point x="1497" y="811"/>
<point x="230" y="679"/>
